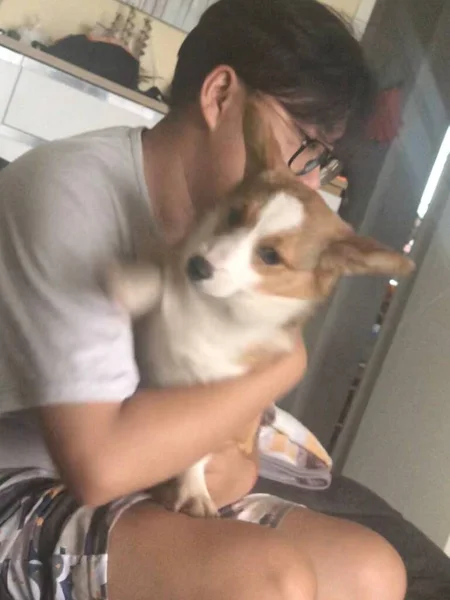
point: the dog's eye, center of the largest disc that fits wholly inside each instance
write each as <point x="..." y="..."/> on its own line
<point x="235" y="217"/>
<point x="269" y="255"/>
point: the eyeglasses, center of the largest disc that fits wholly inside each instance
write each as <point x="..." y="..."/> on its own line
<point x="313" y="154"/>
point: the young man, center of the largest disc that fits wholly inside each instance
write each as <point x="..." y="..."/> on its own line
<point x="69" y="399"/>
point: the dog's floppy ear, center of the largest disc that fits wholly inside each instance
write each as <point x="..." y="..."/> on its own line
<point x="262" y="150"/>
<point x="357" y="255"/>
<point x="137" y="288"/>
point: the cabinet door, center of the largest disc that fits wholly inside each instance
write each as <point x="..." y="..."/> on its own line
<point x="9" y="71"/>
<point x="49" y="109"/>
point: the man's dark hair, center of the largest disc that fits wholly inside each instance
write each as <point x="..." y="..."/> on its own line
<point x="297" y="51"/>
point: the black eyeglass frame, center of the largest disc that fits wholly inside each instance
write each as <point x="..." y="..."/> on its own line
<point x="322" y="161"/>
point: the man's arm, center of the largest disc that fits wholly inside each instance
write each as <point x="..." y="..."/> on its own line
<point x="108" y="449"/>
<point x="71" y="349"/>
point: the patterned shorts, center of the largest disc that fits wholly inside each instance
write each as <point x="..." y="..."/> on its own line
<point x="51" y="548"/>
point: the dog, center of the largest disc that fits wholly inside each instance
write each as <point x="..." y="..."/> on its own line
<point x="241" y="285"/>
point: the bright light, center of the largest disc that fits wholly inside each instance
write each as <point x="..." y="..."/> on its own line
<point x="435" y="175"/>
<point x="393" y="282"/>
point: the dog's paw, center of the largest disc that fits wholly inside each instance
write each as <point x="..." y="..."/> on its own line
<point x="199" y="506"/>
<point x="176" y="497"/>
<point x="136" y="288"/>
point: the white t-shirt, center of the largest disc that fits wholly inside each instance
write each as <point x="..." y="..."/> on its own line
<point x="67" y="210"/>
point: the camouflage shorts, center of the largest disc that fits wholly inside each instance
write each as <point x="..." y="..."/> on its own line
<point x="51" y="548"/>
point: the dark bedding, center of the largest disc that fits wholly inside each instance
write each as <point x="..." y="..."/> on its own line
<point x="428" y="567"/>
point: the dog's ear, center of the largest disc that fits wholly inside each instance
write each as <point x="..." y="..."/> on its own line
<point x="137" y="288"/>
<point x="357" y="255"/>
<point x="262" y="150"/>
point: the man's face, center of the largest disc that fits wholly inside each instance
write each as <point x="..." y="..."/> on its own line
<point x="302" y="146"/>
<point x="222" y="159"/>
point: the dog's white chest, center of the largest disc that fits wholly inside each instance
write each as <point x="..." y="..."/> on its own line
<point x="188" y="344"/>
<point x="190" y="338"/>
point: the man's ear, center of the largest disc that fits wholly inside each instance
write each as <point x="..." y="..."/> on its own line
<point x="263" y="152"/>
<point x="218" y="91"/>
<point x="137" y="288"/>
<point x="356" y="255"/>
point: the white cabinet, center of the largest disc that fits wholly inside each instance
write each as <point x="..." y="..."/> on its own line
<point x="48" y="108"/>
<point x="40" y="102"/>
<point x="11" y="148"/>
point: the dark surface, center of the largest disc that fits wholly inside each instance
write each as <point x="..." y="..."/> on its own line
<point x="407" y="44"/>
<point x="101" y="58"/>
<point x="428" y="567"/>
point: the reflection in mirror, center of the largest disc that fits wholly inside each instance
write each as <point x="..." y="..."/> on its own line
<point x="182" y="14"/>
<point x="185" y="14"/>
<point x="109" y="38"/>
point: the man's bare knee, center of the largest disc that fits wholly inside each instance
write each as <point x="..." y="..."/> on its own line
<point x="158" y="554"/>
<point x="381" y="571"/>
<point x="281" y="573"/>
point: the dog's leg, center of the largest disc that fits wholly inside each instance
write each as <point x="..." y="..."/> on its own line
<point x="187" y="493"/>
<point x="137" y="288"/>
<point x="193" y="495"/>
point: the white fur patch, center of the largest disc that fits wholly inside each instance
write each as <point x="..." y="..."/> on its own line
<point x="257" y="307"/>
<point x="231" y="254"/>
<point x="231" y="257"/>
<point x="282" y="212"/>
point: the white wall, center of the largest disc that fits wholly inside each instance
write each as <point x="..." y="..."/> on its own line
<point x="348" y="7"/>
<point x="402" y="450"/>
<point x="447" y="547"/>
<point x="362" y="15"/>
<point x="358" y="11"/>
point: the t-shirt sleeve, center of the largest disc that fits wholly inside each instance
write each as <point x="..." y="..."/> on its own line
<point x="62" y="339"/>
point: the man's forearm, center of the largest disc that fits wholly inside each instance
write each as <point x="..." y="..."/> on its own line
<point x="106" y="450"/>
<point x="184" y="425"/>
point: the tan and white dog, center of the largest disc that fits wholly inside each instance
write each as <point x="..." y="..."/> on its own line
<point x="251" y="271"/>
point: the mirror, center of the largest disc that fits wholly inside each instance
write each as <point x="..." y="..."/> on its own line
<point x="145" y="40"/>
<point x="184" y="14"/>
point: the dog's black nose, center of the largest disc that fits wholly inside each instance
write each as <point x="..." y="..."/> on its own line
<point x="198" y="268"/>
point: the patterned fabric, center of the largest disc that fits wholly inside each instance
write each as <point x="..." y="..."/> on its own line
<point x="51" y="548"/>
<point x="261" y="509"/>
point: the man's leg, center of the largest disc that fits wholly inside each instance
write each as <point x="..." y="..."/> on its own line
<point x="158" y="555"/>
<point x="350" y="561"/>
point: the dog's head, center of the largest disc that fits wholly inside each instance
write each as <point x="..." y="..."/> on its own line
<point x="274" y="236"/>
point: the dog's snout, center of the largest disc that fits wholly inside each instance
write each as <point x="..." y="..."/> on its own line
<point x="198" y="268"/>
